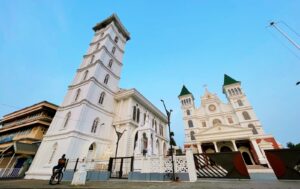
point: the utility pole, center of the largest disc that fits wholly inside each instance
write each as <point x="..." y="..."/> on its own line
<point x="168" y="112"/>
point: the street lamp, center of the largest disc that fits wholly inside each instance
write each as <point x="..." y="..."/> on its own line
<point x="119" y="135"/>
<point x="168" y="112"/>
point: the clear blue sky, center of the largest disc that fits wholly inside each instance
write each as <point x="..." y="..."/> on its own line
<point x="173" y="43"/>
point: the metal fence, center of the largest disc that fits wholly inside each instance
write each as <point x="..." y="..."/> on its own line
<point x="221" y="165"/>
<point x="285" y="163"/>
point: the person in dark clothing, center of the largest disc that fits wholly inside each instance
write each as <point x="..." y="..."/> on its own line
<point x="60" y="164"/>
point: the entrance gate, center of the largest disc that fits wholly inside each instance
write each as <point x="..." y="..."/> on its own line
<point x="285" y="163"/>
<point x="220" y="165"/>
<point x="120" y="167"/>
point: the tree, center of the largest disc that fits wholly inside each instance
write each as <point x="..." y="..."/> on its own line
<point x="172" y="140"/>
<point x="291" y="145"/>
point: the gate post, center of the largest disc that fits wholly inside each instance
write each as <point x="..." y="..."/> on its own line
<point x="191" y="165"/>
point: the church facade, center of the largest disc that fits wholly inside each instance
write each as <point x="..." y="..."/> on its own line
<point x="222" y="127"/>
<point x="95" y="107"/>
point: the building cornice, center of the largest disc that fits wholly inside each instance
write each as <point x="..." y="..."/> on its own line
<point x="142" y="100"/>
<point x="85" y="102"/>
<point x="74" y="133"/>
<point x="30" y="124"/>
<point x="93" y="79"/>
<point x="110" y="39"/>
<point x="107" y="51"/>
<point x="115" y="30"/>
<point x="100" y="63"/>
<point x="27" y="110"/>
<point x="113" y="19"/>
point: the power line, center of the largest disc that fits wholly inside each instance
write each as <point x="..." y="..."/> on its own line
<point x="284" y="45"/>
<point x="290" y="28"/>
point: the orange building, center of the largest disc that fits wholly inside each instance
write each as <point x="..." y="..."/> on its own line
<point x="20" y="136"/>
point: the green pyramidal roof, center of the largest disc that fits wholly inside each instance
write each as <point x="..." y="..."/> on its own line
<point x="228" y="80"/>
<point x="184" y="91"/>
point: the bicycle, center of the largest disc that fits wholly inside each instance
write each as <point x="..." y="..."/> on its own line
<point x="56" y="177"/>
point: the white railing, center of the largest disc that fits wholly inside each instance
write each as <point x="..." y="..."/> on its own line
<point x="97" y="165"/>
<point x="160" y="164"/>
<point x="10" y="172"/>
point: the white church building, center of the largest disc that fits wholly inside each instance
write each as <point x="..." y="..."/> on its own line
<point x="83" y="126"/>
<point x="222" y="127"/>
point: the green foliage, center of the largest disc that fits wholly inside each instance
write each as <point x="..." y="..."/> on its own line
<point x="172" y="140"/>
<point x="291" y="145"/>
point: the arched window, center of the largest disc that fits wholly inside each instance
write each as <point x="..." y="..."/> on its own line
<point x="232" y="91"/>
<point x="98" y="45"/>
<point x="254" y="131"/>
<point x="106" y="79"/>
<point x="246" y="116"/>
<point x="229" y="92"/>
<point x="113" y="50"/>
<point x="116" y="39"/>
<point x="230" y="120"/>
<point x="188" y="112"/>
<point x="190" y="123"/>
<point x="138" y="115"/>
<point x="54" y="147"/>
<point x="101" y="99"/>
<point x="95" y="125"/>
<point x="110" y="63"/>
<point x="92" y="59"/>
<point x="77" y="95"/>
<point x="134" y="113"/>
<point x="67" y="118"/>
<point x="85" y="75"/>
<point x="216" y="122"/>
<point x="236" y="91"/>
<point x="240" y="91"/>
<point x="192" y="133"/>
<point x="240" y="103"/>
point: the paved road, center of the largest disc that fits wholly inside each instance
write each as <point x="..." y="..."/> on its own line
<point x="207" y="184"/>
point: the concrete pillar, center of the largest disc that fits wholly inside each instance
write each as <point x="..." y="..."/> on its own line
<point x="234" y="145"/>
<point x="261" y="159"/>
<point x="191" y="165"/>
<point x="199" y="148"/>
<point x="79" y="177"/>
<point x="216" y="147"/>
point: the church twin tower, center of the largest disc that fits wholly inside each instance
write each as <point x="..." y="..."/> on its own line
<point x="221" y="127"/>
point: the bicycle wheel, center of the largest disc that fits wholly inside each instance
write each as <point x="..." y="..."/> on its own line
<point x="55" y="179"/>
<point x="52" y="179"/>
<point x="60" y="177"/>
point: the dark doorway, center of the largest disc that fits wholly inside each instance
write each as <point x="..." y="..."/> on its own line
<point x="225" y="149"/>
<point x="120" y="167"/>
<point x="247" y="158"/>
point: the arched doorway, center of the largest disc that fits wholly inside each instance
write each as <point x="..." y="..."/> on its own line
<point x="91" y="152"/>
<point x="157" y="147"/>
<point x="247" y="158"/>
<point x="225" y="149"/>
<point x="135" y="141"/>
<point x="165" y="149"/>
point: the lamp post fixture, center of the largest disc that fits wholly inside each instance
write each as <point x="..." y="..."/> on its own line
<point x="119" y="135"/>
<point x="168" y="112"/>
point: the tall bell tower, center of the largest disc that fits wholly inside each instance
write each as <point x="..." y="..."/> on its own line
<point x="82" y="125"/>
<point x="242" y="107"/>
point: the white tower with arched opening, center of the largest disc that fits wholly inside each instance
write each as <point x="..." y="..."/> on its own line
<point x="82" y="126"/>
